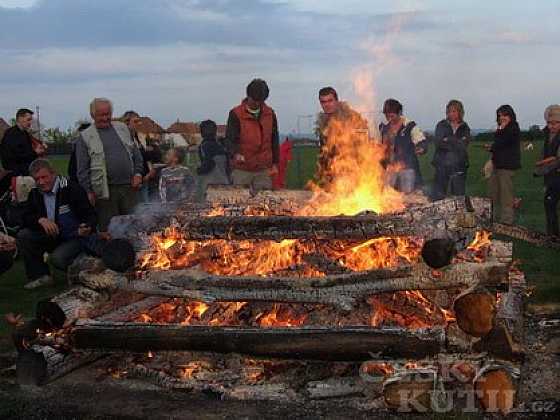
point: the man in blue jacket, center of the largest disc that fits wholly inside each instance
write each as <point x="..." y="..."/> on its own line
<point x="58" y="219"/>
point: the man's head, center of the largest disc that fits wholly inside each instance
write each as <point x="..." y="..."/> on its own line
<point x="328" y="99"/>
<point x="208" y="129"/>
<point x="43" y="173"/>
<point x="131" y="119"/>
<point x="257" y="93"/>
<point x="552" y="118"/>
<point x="101" y="111"/>
<point x="24" y="118"/>
<point x="392" y="109"/>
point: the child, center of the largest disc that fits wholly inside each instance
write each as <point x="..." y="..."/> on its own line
<point x="176" y="182"/>
<point x="213" y="159"/>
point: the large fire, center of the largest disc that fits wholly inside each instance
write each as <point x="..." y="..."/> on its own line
<point x="353" y="182"/>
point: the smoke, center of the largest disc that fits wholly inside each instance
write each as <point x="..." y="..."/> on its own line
<point x="380" y="57"/>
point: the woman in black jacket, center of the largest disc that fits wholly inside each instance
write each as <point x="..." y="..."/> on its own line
<point x="506" y="159"/>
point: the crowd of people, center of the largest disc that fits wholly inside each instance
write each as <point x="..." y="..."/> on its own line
<point x="111" y="171"/>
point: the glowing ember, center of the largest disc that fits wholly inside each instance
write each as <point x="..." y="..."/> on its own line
<point x="281" y="316"/>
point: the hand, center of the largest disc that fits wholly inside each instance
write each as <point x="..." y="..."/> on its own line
<point x="7" y="243"/>
<point x="40" y="150"/>
<point x="488" y="147"/>
<point x="151" y="174"/>
<point x="136" y="181"/>
<point x="92" y="198"/>
<point x="104" y="236"/>
<point x="238" y="158"/>
<point x="84" y="230"/>
<point x="49" y="226"/>
<point x="273" y="171"/>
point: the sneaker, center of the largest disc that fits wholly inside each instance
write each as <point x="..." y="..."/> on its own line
<point x="41" y="281"/>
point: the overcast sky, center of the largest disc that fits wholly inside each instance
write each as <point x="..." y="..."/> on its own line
<point x="192" y="59"/>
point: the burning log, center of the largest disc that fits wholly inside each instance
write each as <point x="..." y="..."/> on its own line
<point x="356" y="343"/>
<point x="451" y="217"/>
<point x="66" y="308"/>
<point x="42" y="364"/>
<point x="475" y="310"/>
<point x="342" y="290"/>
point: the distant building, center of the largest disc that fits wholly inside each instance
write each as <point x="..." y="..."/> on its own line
<point x="148" y="128"/>
<point x="3" y="127"/>
<point x="183" y="134"/>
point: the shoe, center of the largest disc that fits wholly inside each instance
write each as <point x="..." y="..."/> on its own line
<point x="41" y="281"/>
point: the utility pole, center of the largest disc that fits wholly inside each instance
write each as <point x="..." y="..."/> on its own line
<point x="299" y="118"/>
<point x="38" y="122"/>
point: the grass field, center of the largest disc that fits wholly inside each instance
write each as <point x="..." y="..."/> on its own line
<point x="540" y="265"/>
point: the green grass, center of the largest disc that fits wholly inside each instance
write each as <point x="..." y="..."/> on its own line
<point x="540" y="265"/>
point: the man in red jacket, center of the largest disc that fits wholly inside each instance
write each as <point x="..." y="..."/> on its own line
<point x="252" y="137"/>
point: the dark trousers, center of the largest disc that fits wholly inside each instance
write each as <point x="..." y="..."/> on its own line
<point x="448" y="181"/>
<point x="551" y="199"/>
<point x="33" y="244"/>
<point x="6" y="260"/>
<point x="122" y="200"/>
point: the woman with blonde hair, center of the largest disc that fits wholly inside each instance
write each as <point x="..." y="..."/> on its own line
<point x="451" y="159"/>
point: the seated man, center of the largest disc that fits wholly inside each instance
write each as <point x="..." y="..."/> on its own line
<point x="58" y="219"/>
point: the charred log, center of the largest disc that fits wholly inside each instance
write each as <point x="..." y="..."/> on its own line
<point x="342" y="290"/>
<point x="308" y="343"/>
<point x="66" y="308"/>
<point x="118" y="255"/>
<point x="438" y="253"/>
<point x="42" y="364"/>
<point x="448" y="217"/>
<point x="527" y="235"/>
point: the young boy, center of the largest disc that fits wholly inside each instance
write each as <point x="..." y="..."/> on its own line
<point x="213" y="159"/>
<point x="176" y="182"/>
